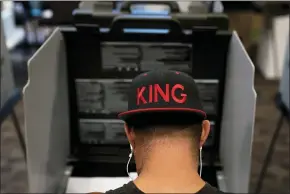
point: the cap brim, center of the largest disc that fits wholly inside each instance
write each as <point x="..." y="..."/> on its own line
<point x="197" y="114"/>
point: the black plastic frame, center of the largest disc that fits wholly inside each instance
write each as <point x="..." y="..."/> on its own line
<point x="209" y="54"/>
<point x="105" y="20"/>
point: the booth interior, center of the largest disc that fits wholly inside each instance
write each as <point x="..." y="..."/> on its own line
<point x="77" y="85"/>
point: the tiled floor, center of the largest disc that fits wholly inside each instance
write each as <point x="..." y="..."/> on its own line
<point x="13" y="172"/>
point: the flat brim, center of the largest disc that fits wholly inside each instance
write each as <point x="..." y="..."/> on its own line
<point x="155" y="115"/>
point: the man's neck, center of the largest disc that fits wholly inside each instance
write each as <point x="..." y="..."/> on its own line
<point x="173" y="170"/>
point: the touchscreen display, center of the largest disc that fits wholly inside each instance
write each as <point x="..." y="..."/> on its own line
<point x="102" y="95"/>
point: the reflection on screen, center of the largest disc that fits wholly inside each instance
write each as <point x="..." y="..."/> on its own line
<point x="141" y="9"/>
<point x="102" y="95"/>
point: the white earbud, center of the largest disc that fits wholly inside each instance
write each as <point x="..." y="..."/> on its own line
<point x="130" y="156"/>
<point x="200" y="161"/>
<point x="131" y="148"/>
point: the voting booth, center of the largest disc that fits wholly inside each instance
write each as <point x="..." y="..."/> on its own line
<point x="78" y="83"/>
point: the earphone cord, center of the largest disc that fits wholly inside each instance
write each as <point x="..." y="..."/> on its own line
<point x="130" y="156"/>
<point x="200" y="162"/>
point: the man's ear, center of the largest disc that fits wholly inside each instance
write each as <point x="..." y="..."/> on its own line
<point x="205" y="132"/>
<point x="130" y="134"/>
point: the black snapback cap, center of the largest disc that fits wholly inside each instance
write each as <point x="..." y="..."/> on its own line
<point x="163" y="94"/>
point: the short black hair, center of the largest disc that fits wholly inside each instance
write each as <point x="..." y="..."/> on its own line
<point x="148" y="120"/>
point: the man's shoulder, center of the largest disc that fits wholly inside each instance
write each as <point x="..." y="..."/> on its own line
<point x="125" y="189"/>
<point x="208" y="189"/>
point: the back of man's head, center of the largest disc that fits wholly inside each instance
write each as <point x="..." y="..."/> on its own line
<point x="165" y="119"/>
<point x="166" y="128"/>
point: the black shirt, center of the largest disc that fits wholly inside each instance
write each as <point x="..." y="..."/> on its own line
<point x="130" y="188"/>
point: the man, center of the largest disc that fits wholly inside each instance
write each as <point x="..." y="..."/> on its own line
<point x="166" y="128"/>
